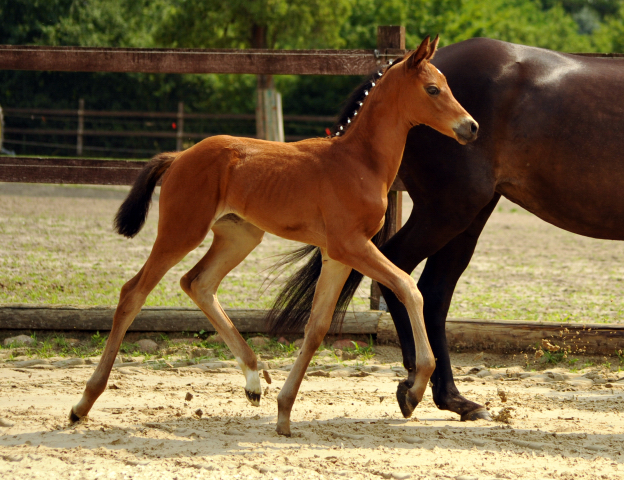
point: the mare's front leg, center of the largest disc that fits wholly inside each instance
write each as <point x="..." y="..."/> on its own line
<point x="437" y="283"/>
<point x="333" y="277"/>
<point x="233" y="240"/>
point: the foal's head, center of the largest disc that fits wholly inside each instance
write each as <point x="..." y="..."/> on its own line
<point x="428" y="98"/>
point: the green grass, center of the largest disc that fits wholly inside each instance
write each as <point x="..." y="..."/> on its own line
<point x="58" y="250"/>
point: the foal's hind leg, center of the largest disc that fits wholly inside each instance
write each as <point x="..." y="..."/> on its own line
<point x="233" y="240"/>
<point x="333" y="277"/>
<point x="131" y="299"/>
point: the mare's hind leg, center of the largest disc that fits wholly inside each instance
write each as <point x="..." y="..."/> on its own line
<point x="131" y="299"/>
<point x="233" y="240"/>
<point x="333" y="277"/>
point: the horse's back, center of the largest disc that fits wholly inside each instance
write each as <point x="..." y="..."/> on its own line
<point x="552" y="129"/>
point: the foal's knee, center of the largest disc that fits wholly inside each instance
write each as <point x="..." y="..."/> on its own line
<point x="186" y="282"/>
<point x="196" y="289"/>
<point x="408" y="292"/>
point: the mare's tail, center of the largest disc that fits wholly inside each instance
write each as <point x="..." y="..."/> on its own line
<point x="292" y="307"/>
<point x="132" y="213"/>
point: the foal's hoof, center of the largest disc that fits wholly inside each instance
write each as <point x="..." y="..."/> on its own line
<point x="283" y="430"/>
<point x="478" y="414"/>
<point x="254" y="398"/>
<point x="73" y="418"/>
<point x="407" y="404"/>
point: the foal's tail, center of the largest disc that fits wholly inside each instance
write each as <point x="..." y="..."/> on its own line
<point x="292" y="307"/>
<point x="131" y="215"/>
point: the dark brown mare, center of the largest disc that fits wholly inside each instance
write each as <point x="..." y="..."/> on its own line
<point x="551" y="139"/>
<point x="328" y="192"/>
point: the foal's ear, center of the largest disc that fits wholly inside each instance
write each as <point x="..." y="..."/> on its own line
<point x="433" y="46"/>
<point x="421" y="54"/>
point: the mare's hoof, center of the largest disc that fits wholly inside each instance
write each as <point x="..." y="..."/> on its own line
<point x="254" y="398"/>
<point x="478" y="414"/>
<point x="406" y="403"/>
<point x="73" y="418"/>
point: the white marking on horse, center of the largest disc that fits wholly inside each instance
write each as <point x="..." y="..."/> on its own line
<point x="253" y="379"/>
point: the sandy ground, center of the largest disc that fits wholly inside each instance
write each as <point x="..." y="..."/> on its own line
<point x="346" y="424"/>
<point x="56" y="246"/>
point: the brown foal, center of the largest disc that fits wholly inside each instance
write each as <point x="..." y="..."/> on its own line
<point x="328" y="192"/>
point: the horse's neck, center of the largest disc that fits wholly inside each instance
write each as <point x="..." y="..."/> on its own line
<point x="378" y="137"/>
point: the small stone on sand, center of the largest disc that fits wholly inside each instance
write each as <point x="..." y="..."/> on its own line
<point x="258" y="341"/>
<point x="6" y="423"/>
<point x="147" y="346"/>
<point x="20" y="340"/>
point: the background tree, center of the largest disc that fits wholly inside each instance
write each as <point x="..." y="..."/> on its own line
<point x="566" y="25"/>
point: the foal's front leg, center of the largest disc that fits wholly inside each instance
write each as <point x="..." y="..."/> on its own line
<point x="365" y="257"/>
<point x="333" y="277"/>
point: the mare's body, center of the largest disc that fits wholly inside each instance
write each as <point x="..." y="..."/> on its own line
<point x="551" y="140"/>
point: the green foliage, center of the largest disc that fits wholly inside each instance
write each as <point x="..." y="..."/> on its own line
<point x="531" y="22"/>
<point x="97" y="340"/>
<point x="366" y="353"/>
<point x="566" y="25"/>
<point x="27" y="21"/>
<point x="123" y="23"/>
<point x="232" y="24"/>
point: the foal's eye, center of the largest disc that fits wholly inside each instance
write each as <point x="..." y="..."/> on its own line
<point x="433" y="90"/>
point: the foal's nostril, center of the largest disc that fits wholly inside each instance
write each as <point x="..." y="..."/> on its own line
<point x="474" y="128"/>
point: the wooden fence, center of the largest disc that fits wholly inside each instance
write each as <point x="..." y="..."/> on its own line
<point x="390" y="44"/>
<point x="177" y="132"/>
<point x="503" y="336"/>
<point x="475" y="334"/>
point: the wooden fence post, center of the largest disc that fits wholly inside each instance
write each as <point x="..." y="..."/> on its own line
<point x="390" y="37"/>
<point x="180" y="128"/>
<point x="80" y="126"/>
<point x="269" y="118"/>
<point x="1" y="129"/>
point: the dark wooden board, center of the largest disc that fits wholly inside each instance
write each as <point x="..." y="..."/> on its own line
<point x="268" y="62"/>
<point x="515" y="336"/>
<point x="503" y="336"/>
<point x="508" y="336"/>
<point x="69" y="170"/>
<point x="152" y="319"/>
<point x="79" y="171"/>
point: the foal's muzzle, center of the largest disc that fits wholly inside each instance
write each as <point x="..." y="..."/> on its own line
<point x="466" y="131"/>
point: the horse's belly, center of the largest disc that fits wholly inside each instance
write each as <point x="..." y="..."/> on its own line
<point x="593" y="207"/>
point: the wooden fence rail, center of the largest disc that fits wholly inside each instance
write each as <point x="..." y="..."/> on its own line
<point x="179" y="133"/>
<point x="504" y="336"/>
<point x="80" y="171"/>
<point x="164" y="60"/>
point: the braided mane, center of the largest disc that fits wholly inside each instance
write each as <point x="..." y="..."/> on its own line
<point x="353" y="104"/>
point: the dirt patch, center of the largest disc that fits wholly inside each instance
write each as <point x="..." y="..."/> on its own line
<point x="564" y="425"/>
